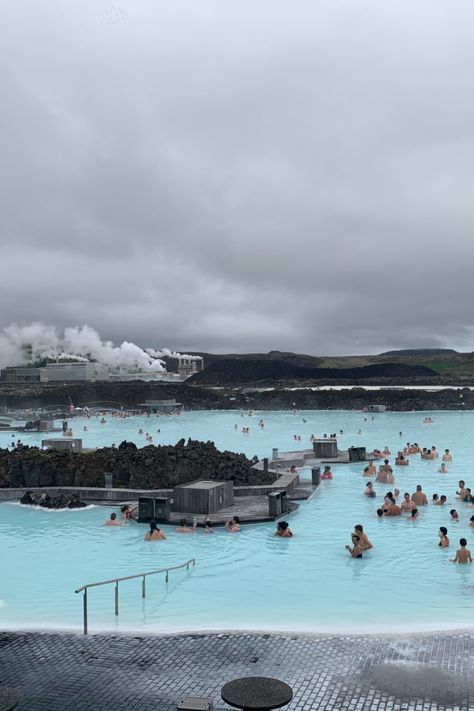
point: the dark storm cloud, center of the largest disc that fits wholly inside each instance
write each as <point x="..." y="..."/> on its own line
<point x="240" y="175"/>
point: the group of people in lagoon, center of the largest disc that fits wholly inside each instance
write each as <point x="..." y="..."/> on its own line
<point x="392" y="505"/>
<point x="411" y="503"/>
<point x="156" y="534"/>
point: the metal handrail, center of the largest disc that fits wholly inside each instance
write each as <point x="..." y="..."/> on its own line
<point x="84" y="588"/>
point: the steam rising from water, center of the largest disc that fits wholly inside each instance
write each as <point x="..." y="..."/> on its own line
<point x="38" y="341"/>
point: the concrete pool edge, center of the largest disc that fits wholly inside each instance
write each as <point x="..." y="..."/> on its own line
<point x="408" y="630"/>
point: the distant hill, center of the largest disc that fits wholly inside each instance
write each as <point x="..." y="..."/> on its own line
<point x="420" y="352"/>
<point x="276" y="366"/>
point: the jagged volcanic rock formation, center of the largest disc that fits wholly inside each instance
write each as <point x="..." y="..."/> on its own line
<point x="161" y="467"/>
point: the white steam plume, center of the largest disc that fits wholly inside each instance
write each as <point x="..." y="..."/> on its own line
<point x="22" y="345"/>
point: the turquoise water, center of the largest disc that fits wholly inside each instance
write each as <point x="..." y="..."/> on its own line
<point x="252" y="580"/>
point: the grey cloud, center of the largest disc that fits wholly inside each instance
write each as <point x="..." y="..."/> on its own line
<point x="239" y="175"/>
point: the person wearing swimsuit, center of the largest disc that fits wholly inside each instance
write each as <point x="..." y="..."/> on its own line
<point x="356" y="550"/>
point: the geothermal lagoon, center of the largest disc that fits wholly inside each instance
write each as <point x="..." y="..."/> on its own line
<point x="252" y="580"/>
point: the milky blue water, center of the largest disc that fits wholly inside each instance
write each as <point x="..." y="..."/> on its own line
<point x="252" y="580"/>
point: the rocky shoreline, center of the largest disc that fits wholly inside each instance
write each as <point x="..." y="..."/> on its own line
<point x="152" y="467"/>
<point x="264" y="396"/>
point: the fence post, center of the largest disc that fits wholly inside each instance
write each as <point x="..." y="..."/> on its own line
<point x="84" y="604"/>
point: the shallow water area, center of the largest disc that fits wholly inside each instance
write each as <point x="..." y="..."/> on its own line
<point x="252" y="580"/>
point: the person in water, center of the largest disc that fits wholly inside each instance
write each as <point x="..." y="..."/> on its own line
<point x="154" y="534"/>
<point x="371" y="468"/>
<point x="443" y="537"/>
<point x="463" y="554"/>
<point x="112" y="521"/>
<point x="447" y="456"/>
<point x="327" y="473"/>
<point x="407" y="504"/>
<point x="400" y="460"/>
<point x="356" y="550"/>
<point x="369" y="490"/>
<point x="283" y="530"/>
<point x="418" y="497"/>
<point x="128" y="512"/>
<point x="385" y="473"/>
<point x="208" y="526"/>
<point x="454" y="515"/>
<point x="413" y="515"/>
<point x="471" y="524"/>
<point x="365" y="544"/>
<point x="183" y="527"/>
<point x="442" y="469"/>
<point x="463" y="493"/>
<point x="233" y="526"/>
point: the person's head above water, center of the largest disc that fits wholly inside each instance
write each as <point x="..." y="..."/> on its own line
<point x="153" y="526"/>
<point x="282" y="525"/>
<point x="443" y="530"/>
<point x="462" y="542"/>
<point x="113" y="516"/>
<point x="183" y="523"/>
<point x="359" y="528"/>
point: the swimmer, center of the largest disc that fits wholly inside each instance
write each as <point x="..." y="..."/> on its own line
<point x="386" y="450"/>
<point x="233" y="526"/>
<point x="400" y="460"/>
<point x="369" y="490"/>
<point x="443" y="537"/>
<point x="371" y="468"/>
<point x="356" y="550"/>
<point x="112" y="521"/>
<point x="84" y="429"/>
<point x="463" y="554"/>
<point x="434" y="452"/>
<point x="414" y="514"/>
<point x="407" y="504"/>
<point x="283" y="530"/>
<point x="454" y="515"/>
<point x="385" y="473"/>
<point x="463" y="493"/>
<point x="379" y="513"/>
<point x="434" y="499"/>
<point x="419" y="497"/>
<point x="471" y="524"/>
<point x="442" y="469"/>
<point x="183" y="527"/>
<point x="367" y="472"/>
<point x="447" y="456"/>
<point x="154" y="534"/>
<point x="327" y="473"/>
<point x="365" y="544"/>
<point x="442" y="500"/>
<point x="208" y="527"/>
<point x="392" y="509"/>
<point x="128" y="512"/>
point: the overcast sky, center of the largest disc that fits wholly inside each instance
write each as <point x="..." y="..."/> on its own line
<point x="240" y="175"/>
